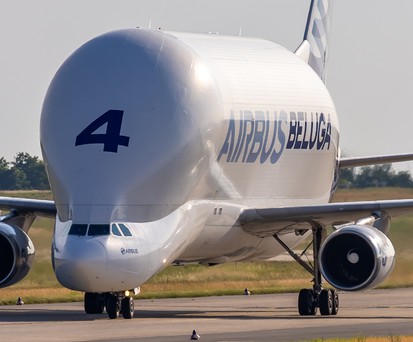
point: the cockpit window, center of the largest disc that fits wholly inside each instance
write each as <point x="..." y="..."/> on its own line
<point x="78" y="229"/>
<point x="115" y="230"/>
<point x="98" y="229"/>
<point x="125" y="230"/>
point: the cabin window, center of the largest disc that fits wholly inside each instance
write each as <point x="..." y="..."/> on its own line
<point x="115" y="230"/>
<point x="125" y="230"/>
<point x="98" y="229"/>
<point x="78" y="229"/>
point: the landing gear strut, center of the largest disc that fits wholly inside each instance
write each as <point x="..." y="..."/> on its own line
<point x="115" y="303"/>
<point x="309" y="300"/>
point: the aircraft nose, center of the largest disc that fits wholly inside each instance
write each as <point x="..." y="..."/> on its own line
<point x="81" y="265"/>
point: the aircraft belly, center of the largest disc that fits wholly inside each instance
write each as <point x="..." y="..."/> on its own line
<point x="220" y="244"/>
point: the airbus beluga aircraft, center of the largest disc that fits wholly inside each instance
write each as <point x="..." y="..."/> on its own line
<point x="165" y="147"/>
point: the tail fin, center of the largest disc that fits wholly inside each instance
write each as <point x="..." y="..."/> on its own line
<point x="314" y="47"/>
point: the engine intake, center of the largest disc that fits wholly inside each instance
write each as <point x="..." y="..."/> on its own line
<point x="356" y="257"/>
<point x="16" y="254"/>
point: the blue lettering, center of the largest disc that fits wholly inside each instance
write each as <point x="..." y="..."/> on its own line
<point x="327" y="134"/>
<point x="281" y="138"/>
<point x="322" y="132"/>
<point x="249" y="123"/>
<point x="229" y="139"/>
<point x="237" y="148"/>
<point x="293" y="130"/>
<point x="257" y="141"/>
<point x="265" y="153"/>
<point x="298" y="142"/>
<point x="313" y="131"/>
<point x="304" y="145"/>
<point x="263" y="135"/>
<point x="112" y="138"/>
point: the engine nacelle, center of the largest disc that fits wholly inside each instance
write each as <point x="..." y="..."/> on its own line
<point x="16" y="254"/>
<point x="356" y="257"/>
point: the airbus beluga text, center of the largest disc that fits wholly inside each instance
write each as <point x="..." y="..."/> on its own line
<point x="166" y="147"/>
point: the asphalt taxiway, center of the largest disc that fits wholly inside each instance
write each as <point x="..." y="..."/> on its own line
<point x="232" y="318"/>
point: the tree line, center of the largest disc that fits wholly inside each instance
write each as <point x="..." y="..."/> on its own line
<point x="24" y="173"/>
<point x="374" y="177"/>
<point x="28" y="172"/>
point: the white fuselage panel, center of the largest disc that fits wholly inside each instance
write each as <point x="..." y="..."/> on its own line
<point x="143" y="126"/>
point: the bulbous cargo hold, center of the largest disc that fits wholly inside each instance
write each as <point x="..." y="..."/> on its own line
<point x="356" y="258"/>
<point x="172" y="109"/>
<point x="127" y="123"/>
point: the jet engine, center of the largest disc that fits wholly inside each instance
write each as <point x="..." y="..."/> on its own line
<point x="16" y="254"/>
<point x="356" y="257"/>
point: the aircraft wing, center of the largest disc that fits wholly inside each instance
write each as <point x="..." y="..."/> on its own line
<point x="364" y="161"/>
<point x="270" y="221"/>
<point x="26" y="206"/>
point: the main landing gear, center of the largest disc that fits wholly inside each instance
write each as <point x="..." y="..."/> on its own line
<point x="309" y="300"/>
<point x="115" y="303"/>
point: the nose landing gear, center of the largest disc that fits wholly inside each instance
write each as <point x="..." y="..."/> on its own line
<point x="115" y="303"/>
<point x="127" y="307"/>
<point x="113" y="306"/>
<point x="94" y="303"/>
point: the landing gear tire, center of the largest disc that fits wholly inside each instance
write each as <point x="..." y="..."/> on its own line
<point x="306" y="304"/>
<point x="336" y="302"/>
<point x="326" y="303"/>
<point x="128" y="307"/>
<point x="93" y="303"/>
<point x="113" y="307"/>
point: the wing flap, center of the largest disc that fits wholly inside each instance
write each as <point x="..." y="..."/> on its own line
<point x="270" y="221"/>
<point x="29" y="206"/>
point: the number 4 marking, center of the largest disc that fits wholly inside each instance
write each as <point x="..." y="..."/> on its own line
<point x="111" y="139"/>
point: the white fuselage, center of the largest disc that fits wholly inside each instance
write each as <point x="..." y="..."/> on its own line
<point x="211" y="125"/>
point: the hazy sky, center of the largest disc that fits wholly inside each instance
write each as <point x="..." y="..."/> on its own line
<point x="370" y="73"/>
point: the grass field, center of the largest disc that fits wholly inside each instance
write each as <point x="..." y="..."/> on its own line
<point x="390" y="338"/>
<point x="196" y="280"/>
